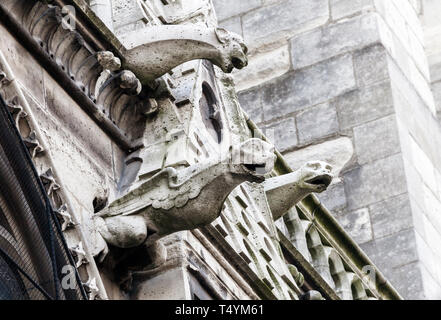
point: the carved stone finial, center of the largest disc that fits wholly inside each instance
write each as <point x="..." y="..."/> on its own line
<point x="175" y="200"/>
<point x="154" y="51"/>
<point x="284" y="192"/>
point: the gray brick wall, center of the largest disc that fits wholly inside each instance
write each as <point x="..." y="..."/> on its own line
<point x="349" y="82"/>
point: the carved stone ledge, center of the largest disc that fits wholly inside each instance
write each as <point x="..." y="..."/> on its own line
<point x="84" y="65"/>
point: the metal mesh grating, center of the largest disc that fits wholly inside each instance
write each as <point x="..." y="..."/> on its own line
<point x="35" y="262"/>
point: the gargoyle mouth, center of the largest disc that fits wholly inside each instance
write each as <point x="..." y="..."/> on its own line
<point x="239" y="63"/>
<point x="323" y="180"/>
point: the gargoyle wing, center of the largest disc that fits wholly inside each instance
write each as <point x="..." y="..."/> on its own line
<point x="158" y="191"/>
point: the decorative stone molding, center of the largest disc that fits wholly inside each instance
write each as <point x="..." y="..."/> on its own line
<point x="324" y="259"/>
<point x="315" y="251"/>
<point x="92" y="76"/>
<point x="298" y="277"/>
<point x="79" y="255"/>
<point x="65" y="218"/>
<point x="247" y="229"/>
<point x="284" y="192"/>
<point x="154" y="51"/>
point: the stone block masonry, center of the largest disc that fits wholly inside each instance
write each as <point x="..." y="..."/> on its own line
<point x="350" y="82"/>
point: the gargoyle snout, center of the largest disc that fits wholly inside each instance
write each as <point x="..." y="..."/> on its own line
<point x="240" y="59"/>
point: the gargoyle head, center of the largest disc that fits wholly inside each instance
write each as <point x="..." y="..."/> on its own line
<point x="235" y="51"/>
<point x="316" y="176"/>
<point x="254" y="158"/>
<point x="285" y="191"/>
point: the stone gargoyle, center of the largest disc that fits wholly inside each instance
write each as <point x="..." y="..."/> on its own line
<point x="156" y="50"/>
<point x="175" y="200"/>
<point x="284" y="192"/>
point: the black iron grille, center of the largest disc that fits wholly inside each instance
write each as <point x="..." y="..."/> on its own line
<point x="35" y="262"/>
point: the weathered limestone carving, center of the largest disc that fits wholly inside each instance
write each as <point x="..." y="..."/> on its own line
<point x="49" y="182"/>
<point x="178" y="11"/>
<point x="298" y="277"/>
<point x="69" y="50"/>
<point x="92" y="76"/>
<point x="284" y="192"/>
<point x="246" y="225"/>
<point x="64" y="217"/>
<point x="312" y="295"/>
<point x="154" y="51"/>
<point x="33" y="144"/>
<point x="108" y="61"/>
<point x="174" y="200"/>
<point x="79" y="255"/>
<point x="91" y="288"/>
